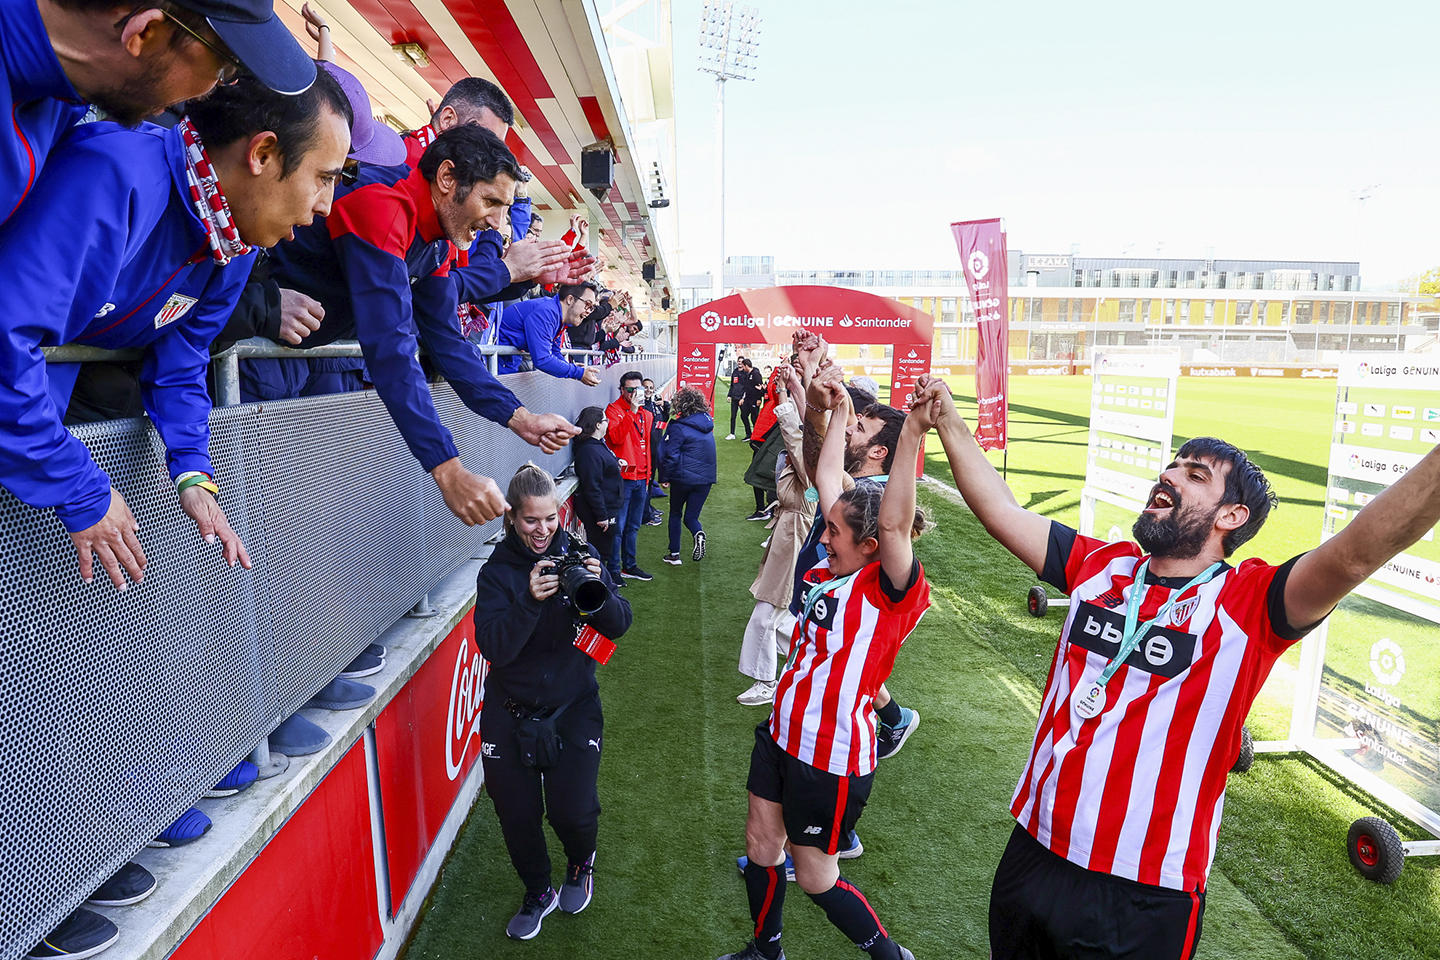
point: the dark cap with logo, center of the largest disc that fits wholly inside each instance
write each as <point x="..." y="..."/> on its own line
<point x="259" y="40"/>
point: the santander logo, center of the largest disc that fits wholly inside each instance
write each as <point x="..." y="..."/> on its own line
<point x="462" y="721"/>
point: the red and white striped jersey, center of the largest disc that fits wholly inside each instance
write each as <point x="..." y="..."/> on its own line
<point x="840" y="654"/>
<point x="1137" y="790"/>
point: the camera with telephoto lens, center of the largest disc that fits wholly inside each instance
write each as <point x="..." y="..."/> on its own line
<point x="579" y="587"/>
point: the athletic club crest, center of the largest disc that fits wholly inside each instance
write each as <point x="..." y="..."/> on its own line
<point x="176" y="307"/>
<point x="1183" y="611"/>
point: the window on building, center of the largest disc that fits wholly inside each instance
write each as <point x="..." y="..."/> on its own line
<point x="1169" y="311"/>
<point x="1340" y="313"/>
<point x="1075" y="311"/>
<point x="1144" y="311"/>
<point x="1284" y="311"/>
<point x="1184" y="311"/>
<point x="1032" y="310"/>
<point x="1260" y="308"/>
<point x="947" y="310"/>
<point x="1392" y="312"/>
<point x="1174" y="279"/>
<point x="949" y="343"/>
<point x="1304" y="311"/>
<point x="1209" y="311"/>
<point x="1127" y="311"/>
<point x="1062" y="309"/>
<point x="1242" y="310"/>
<point x="1190" y="278"/>
<point x="1079" y="278"/>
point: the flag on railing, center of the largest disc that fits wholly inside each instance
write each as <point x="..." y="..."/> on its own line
<point x="982" y="253"/>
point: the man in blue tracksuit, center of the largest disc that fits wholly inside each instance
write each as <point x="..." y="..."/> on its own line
<point x="486" y="272"/>
<point x="129" y="60"/>
<point x="537" y="326"/>
<point x="111" y="251"/>
<point x="380" y="264"/>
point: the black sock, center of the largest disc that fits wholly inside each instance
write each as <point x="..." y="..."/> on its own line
<point x="890" y="713"/>
<point x="848" y="909"/>
<point x="765" y="886"/>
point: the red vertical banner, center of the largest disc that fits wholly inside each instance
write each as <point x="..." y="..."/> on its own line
<point x="697" y="369"/>
<point x="908" y="364"/>
<point x="982" y="252"/>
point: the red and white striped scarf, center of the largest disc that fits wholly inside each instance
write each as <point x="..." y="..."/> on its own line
<point x="209" y="200"/>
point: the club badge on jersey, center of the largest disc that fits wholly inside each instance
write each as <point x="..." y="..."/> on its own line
<point x="176" y="307"/>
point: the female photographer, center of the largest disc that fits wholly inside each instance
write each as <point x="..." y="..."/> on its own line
<point x="540" y="727"/>
<point x="597" y="500"/>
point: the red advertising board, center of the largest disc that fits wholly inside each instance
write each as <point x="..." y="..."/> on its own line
<point x="774" y="314"/>
<point x="982" y="252"/>
<point x="311" y="891"/>
<point x="697" y="369"/>
<point x="426" y="742"/>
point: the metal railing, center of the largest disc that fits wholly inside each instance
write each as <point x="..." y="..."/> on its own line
<point x="118" y="710"/>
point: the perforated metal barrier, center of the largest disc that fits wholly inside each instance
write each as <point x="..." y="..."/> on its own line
<point x="118" y="710"/>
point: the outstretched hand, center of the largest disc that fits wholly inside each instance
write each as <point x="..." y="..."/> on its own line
<point x="212" y="524"/>
<point x="113" y="539"/>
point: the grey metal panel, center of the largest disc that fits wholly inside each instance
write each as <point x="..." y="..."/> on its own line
<point x="118" y="710"/>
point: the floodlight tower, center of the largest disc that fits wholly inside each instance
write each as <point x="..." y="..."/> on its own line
<point x="729" y="41"/>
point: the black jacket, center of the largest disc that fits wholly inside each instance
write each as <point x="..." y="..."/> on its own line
<point x="530" y="644"/>
<point x="600" y="487"/>
<point x="739" y="381"/>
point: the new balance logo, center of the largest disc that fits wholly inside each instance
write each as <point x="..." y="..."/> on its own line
<point x="1110" y="600"/>
<point x="814" y="830"/>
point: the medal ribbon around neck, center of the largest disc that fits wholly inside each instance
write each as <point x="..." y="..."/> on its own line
<point x="1089" y="705"/>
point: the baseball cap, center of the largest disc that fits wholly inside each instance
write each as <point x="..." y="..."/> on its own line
<point x="370" y="140"/>
<point x="259" y="40"/>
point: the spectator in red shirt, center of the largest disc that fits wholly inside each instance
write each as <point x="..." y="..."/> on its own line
<point x="629" y="439"/>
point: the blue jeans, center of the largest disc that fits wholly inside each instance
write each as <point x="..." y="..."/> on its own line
<point x="633" y="500"/>
<point x="685" y="500"/>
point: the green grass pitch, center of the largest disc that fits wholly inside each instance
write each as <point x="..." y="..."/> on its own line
<point x="677" y="743"/>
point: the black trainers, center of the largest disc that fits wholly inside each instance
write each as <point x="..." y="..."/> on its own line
<point x="635" y="573"/>
<point x="82" y="934"/>
<point x="699" y="553"/>
<point x="752" y="952"/>
<point x="579" y="886"/>
<point x="758" y="515"/>
<point x="131" y="884"/>
<point x="889" y="740"/>
<point x="672" y="558"/>
<point x="526" y="924"/>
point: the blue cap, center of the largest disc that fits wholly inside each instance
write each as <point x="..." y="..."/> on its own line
<point x="259" y="40"/>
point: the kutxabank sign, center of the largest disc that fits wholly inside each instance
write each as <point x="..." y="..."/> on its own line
<point x="1379" y="697"/>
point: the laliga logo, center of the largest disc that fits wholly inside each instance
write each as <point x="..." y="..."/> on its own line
<point x="1354" y="460"/>
<point x="709" y="321"/>
<point x="462" y="721"/>
<point x="1387" y="661"/>
<point x="845" y="321"/>
<point x="1362" y="371"/>
<point x="979" y="264"/>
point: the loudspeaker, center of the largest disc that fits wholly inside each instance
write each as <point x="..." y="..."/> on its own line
<point x="597" y="168"/>
<point x="647" y="270"/>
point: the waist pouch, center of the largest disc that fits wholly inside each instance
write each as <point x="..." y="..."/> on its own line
<point x="538" y="737"/>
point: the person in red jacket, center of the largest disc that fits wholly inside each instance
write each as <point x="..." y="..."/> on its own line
<point x="629" y="439"/>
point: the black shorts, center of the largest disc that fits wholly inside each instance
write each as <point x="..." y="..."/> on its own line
<point x="820" y="808"/>
<point x="1043" y="906"/>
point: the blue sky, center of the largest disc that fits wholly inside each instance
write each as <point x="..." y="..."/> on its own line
<point x="1239" y="129"/>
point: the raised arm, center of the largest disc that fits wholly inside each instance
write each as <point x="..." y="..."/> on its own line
<point x="897" y="506"/>
<point x="829" y="475"/>
<point x="1023" y="533"/>
<point x="1384" y="527"/>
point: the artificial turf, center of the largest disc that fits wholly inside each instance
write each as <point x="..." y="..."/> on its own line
<point x="677" y="743"/>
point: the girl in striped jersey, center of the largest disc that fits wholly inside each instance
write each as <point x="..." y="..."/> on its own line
<point x="814" y="759"/>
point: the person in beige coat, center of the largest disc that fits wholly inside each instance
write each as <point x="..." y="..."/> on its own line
<point x="767" y="635"/>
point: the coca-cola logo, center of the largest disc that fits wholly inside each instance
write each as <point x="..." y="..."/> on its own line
<point x="462" y="721"/>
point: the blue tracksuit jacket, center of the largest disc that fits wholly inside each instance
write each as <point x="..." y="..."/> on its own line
<point x="38" y="101"/>
<point x="106" y="251"/>
<point x="380" y="264"/>
<point x="534" y="326"/>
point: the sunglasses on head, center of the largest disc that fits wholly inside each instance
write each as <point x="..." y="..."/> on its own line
<point x="350" y="171"/>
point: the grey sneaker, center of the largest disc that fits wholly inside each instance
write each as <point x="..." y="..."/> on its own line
<point x="579" y="886"/>
<point x="905" y="954"/>
<point x="526" y="923"/>
<point x="699" y="553"/>
<point x="752" y="952"/>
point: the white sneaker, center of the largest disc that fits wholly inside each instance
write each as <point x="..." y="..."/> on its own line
<point x="760" y="694"/>
<point x="730" y="436"/>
